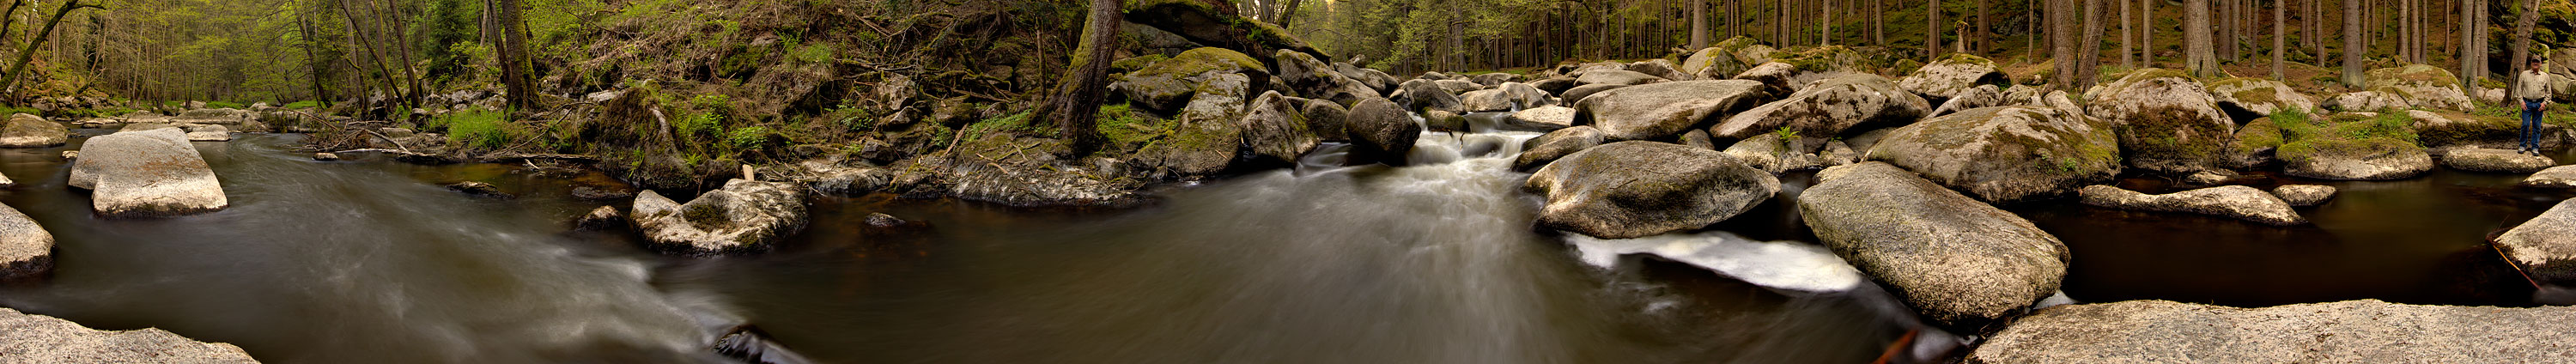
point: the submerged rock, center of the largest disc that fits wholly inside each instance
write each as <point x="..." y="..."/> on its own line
<point x="2495" y="160"/>
<point x="2554" y="177"/>
<point x="147" y="173"/>
<point x="743" y="216"/>
<point x="477" y="189"/>
<point x="45" y="339"/>
<point x="2545" y="246"/>
<point x="2304" y="195"/>
<point x="1665" y="110"/>
<point x="326" y="156"/>
<point x="1633" y="189"/>
<point x="2339" y="332"/>
<point x="1959" y="262"/>
<point x="2237" y="202"/>
<point x="2005" y="154"/>
<point x="26" y="250"/>
<point x="30" y="131"/>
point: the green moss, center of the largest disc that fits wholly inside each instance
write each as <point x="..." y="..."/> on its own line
<point x="1127" y="129"/>
<point x="476" y="128"/>
<point x="2258" y="135"/>
<point x="1132" y="64"/>
<point x="1202" y="60"/>
<point x="1964" y="58"/>
<point x="2349" y="135"/>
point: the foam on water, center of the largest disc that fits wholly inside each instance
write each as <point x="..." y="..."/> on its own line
<point x="1784" y="265"/>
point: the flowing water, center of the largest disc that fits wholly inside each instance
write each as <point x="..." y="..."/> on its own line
<point x="370" y="261"/>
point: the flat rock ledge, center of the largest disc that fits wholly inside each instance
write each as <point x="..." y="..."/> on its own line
<point x="2495" y="160"/>
<point x="2554" y="177"/>
<point x="2365" y="331"/>
<point x="45" y="339"/>
<point x="2545" y="246"/>
<point x="2238" y="202"/>
<point x="2304" y="195"/>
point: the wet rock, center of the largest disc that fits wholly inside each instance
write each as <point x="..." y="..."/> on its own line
<point x="1617" y="77"/>
<point x="1444" y="121"/>
<point x="1541" y="119"/>
<point x="1980" y="97"/>
<point x="1315" y="79"/>
<point x="601" y="192"/>
<point x="26" y="250"/>
<point x="45" y="339"/>
<point x="1959" y="262"/>
<point x="477" y="189"/>
<point x="1549" y="147"/>
<point x="2247" y="98"/>
<point x="147" y="173"/>
<point x="1576" y="95"/>
<point x="326" y="156"/>
<point x="1770" y="154"/>
<point x="71" y="154"/>
<point x="1829" y="108"/>
<point x="1275" y="131"/>
<point x="2554" y="177"/>
<point x="1168" y="85"/>
<point x="30" y="131"/>
<point x="1665" y="110"/>
<point x="743" y="216"/>
<point x="2005" y="154"/>
<point x="2339" y="332"/>
<point x="1637" y="188"/>
<point x="2237" y="202"/>
<point x="1329" y="121"/>
<point x="750" y="345"/>
<point x="1511" y="96"/>
<point x="1950" y="76"/>
<point x="2304" y="195"/>
<point x="2166" y="121"/>
<point x="2545" y="246"/>
<point x="601" y="219"/>
<point x="2495" y="160"/>
<point x="1381" y="132"/>
<point x="1421" y="95"/>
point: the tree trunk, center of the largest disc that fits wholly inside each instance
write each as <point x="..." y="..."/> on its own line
<point x="1078" y="99"/>
<point x="1825" y="33"/>
<point x="2471" y="51"/>
<point x="516" y="78"/>
<point x="1699" y="24"/>
<point x="2061" y="43"/>
<point x="2522" y="40"/>
<point x="2199" y="53"/>
<point x="1985" y="34"/>
<point x="1878" y="22"/>
<point x="2280" y="42"/>
<point x="2353" y="45"/>
<point x="2088" y="59"/>
<point x="1288" y="15"/>
<point x="2127" y="39"/>
<point x="2147" y="32"/>
<point x="1932" y="30"/>
<point x="28" y="54"/>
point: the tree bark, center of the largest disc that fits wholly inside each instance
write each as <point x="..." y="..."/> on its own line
<point x="2127" y="38"/>
<point x="1077" y="100"/>
<point x="1985" y="33"/>
<point x="2199" y="53"/>
<point x="2061" y="43"/>
<point x="2088" y="59"/>
<point x="1699" y="24"/>
<point x="2280" y="42"/>
<point x="2353" y="45"/>
<point x="2472" y="52"/>
<point x="2147" y="32"/>
<point x="28" y="54"/>
<point x="1932" y="30"/>
<point x="1288" y="15"/>
<point x="2522" y="39"/>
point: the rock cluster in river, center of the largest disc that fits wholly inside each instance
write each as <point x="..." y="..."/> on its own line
<point x="1958" y="261"/>
<point x="147" y="173"/>
<point x="1662" y="111"/>
<point x="45" y="339"/>
<point x="2006" y="154"/>
<point x="743" y="216"/>
<point x="2339" y="332"/>
<point x="2236" y="202"/>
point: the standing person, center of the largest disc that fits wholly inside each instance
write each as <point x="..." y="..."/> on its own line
<point x="2531" y="87"/>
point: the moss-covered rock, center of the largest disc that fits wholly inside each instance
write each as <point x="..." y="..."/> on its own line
<point x="1712" y="63"/>
<point x="1275" y="129"/>
<point x="1215" y="23"/>
<point x="2167" y="121"/>
<point x="1949" y="76"/>
<point x="2246" y="98"/>
<point x="1829" y="108"/>
<point x="2256" y="142"/>
<point x="2353" y="146"/>
<point x="1664" y="110"/>
<point x="2005" y="154"/>
<point x="2419" y="86"/>
<point x="1169" y="84"/>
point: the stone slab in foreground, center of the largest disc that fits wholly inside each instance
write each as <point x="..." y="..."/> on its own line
<point x="28" y="338"/>
<point x="2366" y="331"/>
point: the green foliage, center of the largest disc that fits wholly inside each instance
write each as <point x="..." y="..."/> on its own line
<point x="1015" y="123"/>
<point x="812" y="53"/>
<point x="1127" y="128"/>
<point x="223" y="105"/>
<point x="476" y="128"/>
<point x="1786" y="134"/>
<point x="2345" y="134"/>
<point x="306" y="104"/>
<point x="442" y="26"/>
<point x="747" y="139"/>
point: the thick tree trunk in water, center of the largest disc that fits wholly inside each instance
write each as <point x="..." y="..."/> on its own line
<point x="2280" y="41"/>
<point x="2352" y="43"/>
<point x="2521" y="39"/>
<point x="1077" y="100"/>
<point x="2199" y="54"/>
<point x="2088" y="59"/>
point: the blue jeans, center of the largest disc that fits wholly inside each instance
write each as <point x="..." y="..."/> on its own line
<point x="2531" y="124"/>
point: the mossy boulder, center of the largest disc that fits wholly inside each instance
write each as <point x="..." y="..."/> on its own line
<point x="1637" y="188"/>
<point x="1712" y="63"/>
<point x="2421" y="86"/>
<point x="1382" y="132"/>
<point x="744" y="216"/>
<point x="1961" y="263"/>
<point x="1169" y="84"/>
<point x="2167" y="121"/>
<point x="1662" y="111"/>
<point x="1275" y="129"/>
<point x="2352" y="146"/>
<point x="2443" y="130"/>
<point x="2005" y="154"/>
<point x="1829" y="108"/>
<point x="1215" y="23"/>
<point x="2256" y="143"/>
<point x="1948" y="77"/>
<point x="1424" y="95"/>
<point x="1314" y="79"/>
<point x="2247" y="98"/>
<point x="1746" y="50"/>
<point x="30" y="131"/>
<point x="1205" y="141"/>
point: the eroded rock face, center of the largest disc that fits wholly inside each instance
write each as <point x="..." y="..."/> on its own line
<point x="1947" y="78"/>
<point x="2247" y="98"/>
<point x="1637" y="188"/>
<point x="147" y="173"/>
<point x="744" y="216"/>
<point x="45" y="339"/>
<point x="2005" y="154"/>
<point x="2495" y="160"/>
<point x="1554" y="145"/>
<point x="2545" y="246"/>
<point x="1959" y="262"/>
<point x="2338" y="332"/>
<point x="2554" y="177"/>
<point x="30" y="131"/>
<point x="2166" y="121"/>
<point x="1828" y="108"/>
<point x="1665" y="110"/>
<point x="2236" y="202"/>
<point x="2304" y="195"/>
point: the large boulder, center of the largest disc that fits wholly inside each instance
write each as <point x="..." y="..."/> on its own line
<point x="2495" y="160"/>
<point x="2167" y="122"/>
<point x="1275" y="129"/>
<point x="1828" y="109"/>
<point x="1959" y="262"/>
<point x="1637" y="188"/>
<point x="1315" y="79"/>
<point x="2363" y="331"/>
<point x="1170" y="84"/>
<point x="1665" y="110"/>
<point x="1424" y="95"/>
<point x="1328" y="120"/>
<point x="45" y="339"/>
<point x="2554" y="177"/>
<point x="2545" y="246"/>
<point x="2248" y="98"/>
<point x="1773" y="154"/>
<point x="147" y="173"/>
<point x="2445" y="130"/>
<point x="2236" y="202"/>
<point x="744" y="216"/>
<point x="1713" y="63"/>
<point x="1576" y="95"/>
<point x="1214" y="26"/>
<point x="1544" y="118"/>
<point x="2420" y="86"/>
<point x="1946" y="78"/>
<point x="1547" y="148"/>
<point x="1510" y="96"/>
<point x="26" y="250"/>
<point x="1204" y="141"/>
<point x="1381" y="132"/>
<point x="29" y="131"/>
<point x="2005" y="154"/>
<point x="1617" y="77"/>
<point x="2352" y="146"/>
<point x="1983" y="96"/>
